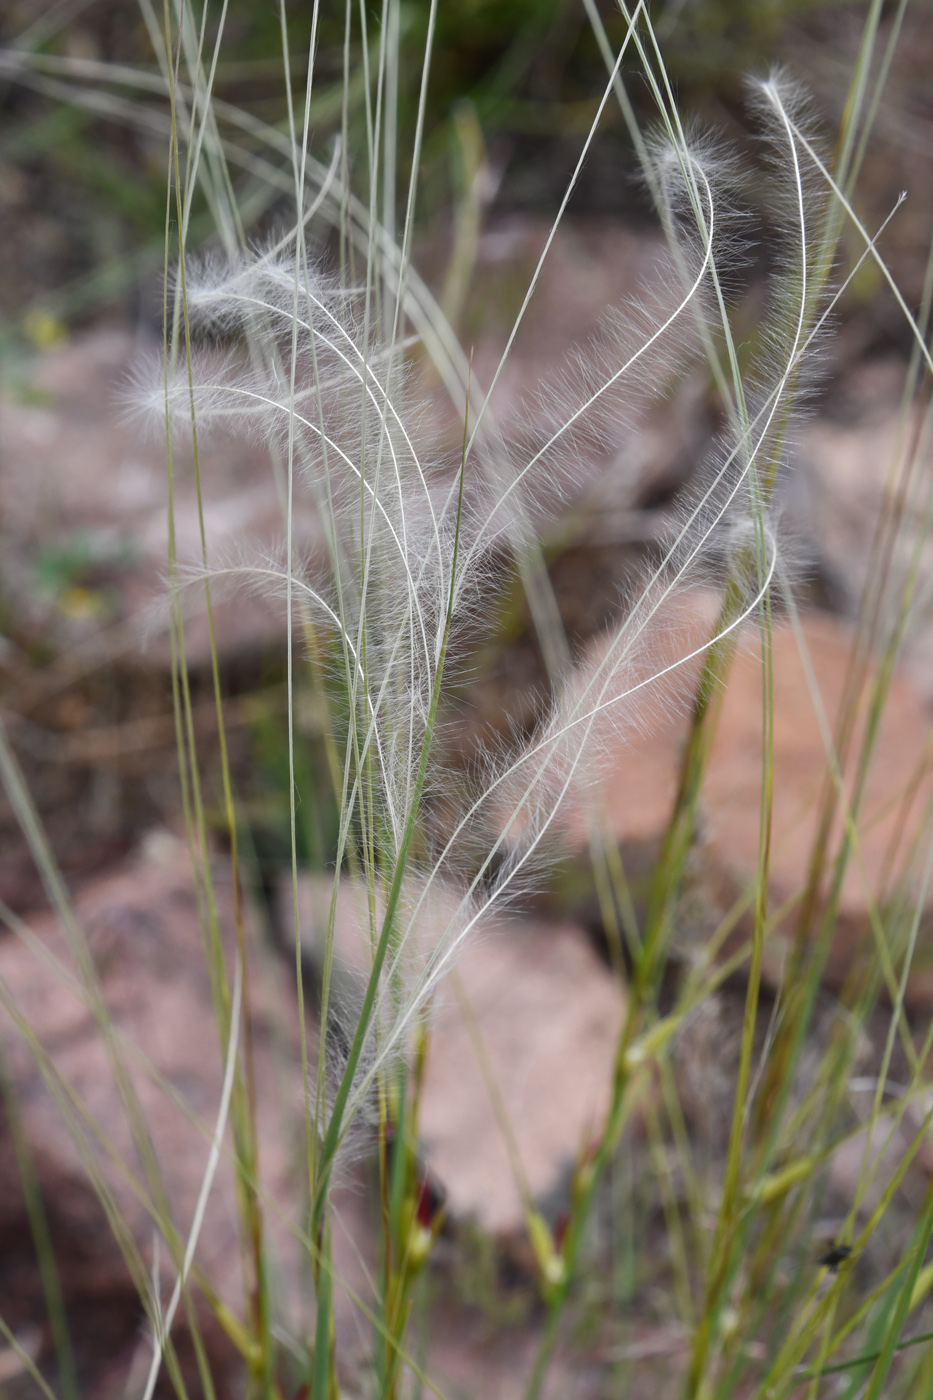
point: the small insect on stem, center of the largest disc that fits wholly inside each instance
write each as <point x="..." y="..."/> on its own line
<point x="835" y="1255"/>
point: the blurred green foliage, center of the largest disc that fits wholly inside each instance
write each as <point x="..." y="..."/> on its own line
<point x="82" y="198"/>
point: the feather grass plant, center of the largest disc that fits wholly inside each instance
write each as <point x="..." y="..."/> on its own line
<point x="323" y="361"/>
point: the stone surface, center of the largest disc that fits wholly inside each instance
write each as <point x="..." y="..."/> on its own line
<point x="631" y="754"/>
<point x="861" y="460"/>
<point x="636" y="775"/>
<point x="468" y="1359"/>
<point x="144" y="941"/>
<point x="891" y="820"/>
<point x="849" y="461"/>
<point x="591" y="266"/>
<point x="83" y="496"/>
<point x="602" y="289"/>
<point x="863" y="1165"/>
<point x="527" y="1021"/>
<point x="83" y="488"/>
<point x="525" y="1029"/>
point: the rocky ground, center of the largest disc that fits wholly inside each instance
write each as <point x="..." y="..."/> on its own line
<point x="87" y="707"/>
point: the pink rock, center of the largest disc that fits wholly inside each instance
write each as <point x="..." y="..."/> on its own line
<point x="592" y="265"/>
<point x="526" y="1021"/>
<point x="891" y="818"/>
<point x="147" y="966"/>
<point x="638" y="785"/>
<point x="547" y="1014"/>
<point x="78" y="466"/>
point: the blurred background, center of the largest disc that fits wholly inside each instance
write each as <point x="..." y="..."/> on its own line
<point x="86" y="686"/>
<point x="515" y="85"/>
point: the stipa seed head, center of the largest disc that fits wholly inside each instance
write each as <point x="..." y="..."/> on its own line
<point x="633" y="681"/>
<point x="416" y="541"/>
